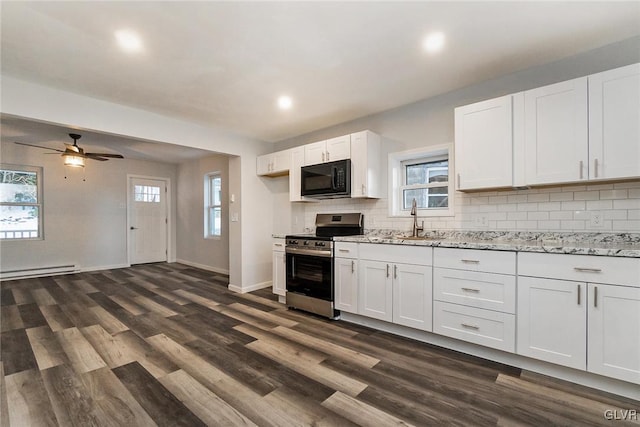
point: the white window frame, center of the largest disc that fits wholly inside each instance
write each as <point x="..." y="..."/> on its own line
<point x="209" y="205"/>
<point x="397" y="163"/>
<point x="39" y="204"/>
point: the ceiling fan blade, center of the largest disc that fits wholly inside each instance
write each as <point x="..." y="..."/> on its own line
<point x="94" y="157"/>
<point x="38" y="146"/>
<point x="112" y="156"/>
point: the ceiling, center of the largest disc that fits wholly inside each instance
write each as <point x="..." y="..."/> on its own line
<point x="224" y="64"/>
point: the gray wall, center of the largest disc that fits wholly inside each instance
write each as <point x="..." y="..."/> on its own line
<point x="84" y="221"/>
<point x="431" y="122"/>
<point x="192" y="247"/>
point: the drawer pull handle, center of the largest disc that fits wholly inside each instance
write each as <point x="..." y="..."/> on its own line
<point x="395" y="271"/>
<point x="588" y="270"/>
<point x="470" y="261"/>
<point x="277" y="244"/>
<point x="581" y="166"/>
<point x="469" y="326"/>
<point x="470" y="290"/>
<point x="387" y="270"/>
<point x="353" y="266"/>
<point x="344" y="250"/>
<point x="595" y="297"/>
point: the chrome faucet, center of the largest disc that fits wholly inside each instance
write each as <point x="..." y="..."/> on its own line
<point x="414" y="213"/>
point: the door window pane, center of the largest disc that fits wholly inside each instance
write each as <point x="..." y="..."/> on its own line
<point x="146" y="194"/>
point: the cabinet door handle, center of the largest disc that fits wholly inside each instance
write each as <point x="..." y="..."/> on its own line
<point x="469" y="326"/>
<point x="353" y="266"/>
<point x="458" y="180"/>
<point x="581" y="167"/>
<point x="470" y="261"/>
<point x="595" y="297"/>
<point x="595" y="168"/>
<point x="395" y="271"/>
<point x="588" y="270"/>
<point x="328" y="156"/>
<point x="323" y="156"/>
<point x="579" y="291"/>
<point x="387" y="270"/>
<point x="470" y="290"/>
<point x="363" y="192"/>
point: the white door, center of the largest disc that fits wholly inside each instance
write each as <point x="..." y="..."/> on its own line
<point x="614" y="123"/>
<point x="551" y="318"/>
<point x="375" y="290"/>
<point x="346" y="286"/>
<point x="147" y="220"/>
<point x="555" y="137"/>
<point x="484" y="144"/>
<point x="614" y="332"/>
<point x="412" y="296"/>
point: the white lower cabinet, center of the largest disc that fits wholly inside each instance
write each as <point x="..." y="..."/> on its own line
<point x="395" y="284"/>
<point x="552" y="321"/>
<point x="279" y="269"/>
<point x="474" y="294"/>
<point x="346" y="277"/>
<point x="614" y="332"/>
<point x="375" y="290"/>
<point x="412" y="290"/>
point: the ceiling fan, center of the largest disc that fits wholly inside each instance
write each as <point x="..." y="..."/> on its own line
<point x="74" y="155"/>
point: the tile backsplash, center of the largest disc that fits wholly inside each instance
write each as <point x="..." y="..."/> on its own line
<point x="613" y="207"/>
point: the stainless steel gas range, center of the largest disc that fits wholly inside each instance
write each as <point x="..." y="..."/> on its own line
<point x="310" y="263"/>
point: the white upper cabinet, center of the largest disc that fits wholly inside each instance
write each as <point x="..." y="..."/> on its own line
<point x="274" y="164"/>
<point x="333" y="149"/>
<point x="614" y="123"/>
<point x="365" y="165"/>
<point x="484" y="144"/>
<point x="556" y="138"/>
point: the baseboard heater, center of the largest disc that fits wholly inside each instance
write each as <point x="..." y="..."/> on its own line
<point x="38" y="272"/>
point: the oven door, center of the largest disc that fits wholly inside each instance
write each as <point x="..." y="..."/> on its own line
<point x="309" y="275"/>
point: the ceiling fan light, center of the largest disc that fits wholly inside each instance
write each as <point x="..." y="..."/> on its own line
<point x="73" y="161"/>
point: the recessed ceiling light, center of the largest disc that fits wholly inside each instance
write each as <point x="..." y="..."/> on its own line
<point x="433" y="42"/>
<point x="129" y="41"/>
<point x="285" y="102"/>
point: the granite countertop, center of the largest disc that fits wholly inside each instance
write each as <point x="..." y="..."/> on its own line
<point x="602" y="244"/>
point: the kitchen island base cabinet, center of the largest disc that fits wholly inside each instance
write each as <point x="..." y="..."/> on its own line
<point x="614" y="332"/>
<point x="552" y="321"/>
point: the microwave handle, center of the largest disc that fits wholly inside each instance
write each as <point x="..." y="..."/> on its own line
<point x="334" y="176"/>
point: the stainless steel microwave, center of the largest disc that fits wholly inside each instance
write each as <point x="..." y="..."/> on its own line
<point x="326" y="180"/>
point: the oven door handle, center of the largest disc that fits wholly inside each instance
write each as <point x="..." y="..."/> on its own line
<point x="310" y="252"/>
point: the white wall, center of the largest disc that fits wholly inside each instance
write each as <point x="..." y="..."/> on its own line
<point x="84" y="221"/>
<point x="431" y="122"/>
<point x="250" y="240"/>
<point x="192" y="247"/>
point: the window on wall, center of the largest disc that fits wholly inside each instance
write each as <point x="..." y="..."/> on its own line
<point x="20" y="202"/>
<point x="212" y="205"/>
<point x="424" y="175"/>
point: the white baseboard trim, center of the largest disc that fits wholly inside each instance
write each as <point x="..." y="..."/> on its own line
<point x="32" y="272"/>
<point x="251" y="288"/>
<point x="203" y="267"/>
<point x="588" y="379"/>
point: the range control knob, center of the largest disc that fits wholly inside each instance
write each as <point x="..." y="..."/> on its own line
<point x="306" y="243"/>
<point x="293" y="242"/>
<point x="320" y="244"/>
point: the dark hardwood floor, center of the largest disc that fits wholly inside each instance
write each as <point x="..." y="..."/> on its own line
<point x="167" y="344"/>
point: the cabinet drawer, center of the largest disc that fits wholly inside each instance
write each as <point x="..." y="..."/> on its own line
<point x="278" y="245"/>
<point x="581" y="268"/>
<point x="419" y="255"/>
<point x="484" y="327"/>
<point x="475" y="260"/>
<point x="346" y="250"/>
<point x="475" y="289"/>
